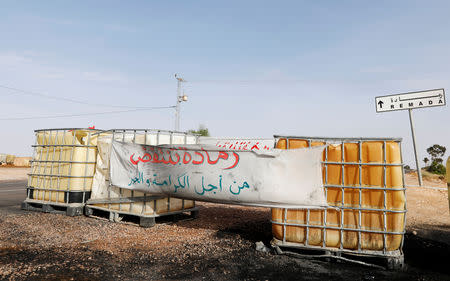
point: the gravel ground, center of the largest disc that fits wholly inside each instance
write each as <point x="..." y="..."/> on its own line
<point x="218" y="245"/>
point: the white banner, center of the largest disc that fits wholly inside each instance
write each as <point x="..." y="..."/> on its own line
<point x="276" y="178"/>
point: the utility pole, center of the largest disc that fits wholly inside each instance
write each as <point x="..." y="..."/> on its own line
<point x="180" y="98"/>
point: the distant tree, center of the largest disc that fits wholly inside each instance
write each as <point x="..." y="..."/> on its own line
<point x="436" y="152"/>
<point x="202" y="131"/>
<point x="426" y="160"/>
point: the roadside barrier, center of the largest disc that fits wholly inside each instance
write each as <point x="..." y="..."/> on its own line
<point x="363" y="181"/>
<point x="62" y="169"/>
<point x="364" y="184"/>
<point x="65" y="162"/>
<point x="124" y="205"/>
<point x="22" y="162"/>
<point x="10" y="159"/>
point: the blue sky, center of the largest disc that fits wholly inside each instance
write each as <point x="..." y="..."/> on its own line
<point x="255" y="68"/>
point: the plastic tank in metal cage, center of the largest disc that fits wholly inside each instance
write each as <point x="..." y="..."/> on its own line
<point x="364" y="186"/>
<point x="63" y="165"/>
<point x="121" y="202"/>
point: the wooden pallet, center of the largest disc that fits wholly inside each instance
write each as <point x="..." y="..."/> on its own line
<point x="393" y="260"/>
<point x="137" y="219"/>
<point x="68" y="209"/>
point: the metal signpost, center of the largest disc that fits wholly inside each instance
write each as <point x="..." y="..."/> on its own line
<point x="411" y="101"/>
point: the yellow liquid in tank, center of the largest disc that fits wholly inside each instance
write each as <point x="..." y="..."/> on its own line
<point x="374" y="199"/>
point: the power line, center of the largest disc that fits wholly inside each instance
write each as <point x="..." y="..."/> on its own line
<point x="84" y="114"/>
<point x="30" y="93"/>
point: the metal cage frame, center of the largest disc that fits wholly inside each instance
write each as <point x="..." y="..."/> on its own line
<point x="60" y="132"/>
<point x="396" y="256"/>
<point x="145" y="198"/>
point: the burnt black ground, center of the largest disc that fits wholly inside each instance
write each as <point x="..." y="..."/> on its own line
<point x="244" y="264"/>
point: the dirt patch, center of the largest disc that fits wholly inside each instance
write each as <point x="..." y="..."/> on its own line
<point x="428" y="181"/>
<point x="428" y="208"/>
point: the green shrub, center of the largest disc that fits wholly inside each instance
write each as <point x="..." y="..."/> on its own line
<point x="437" y="168"/>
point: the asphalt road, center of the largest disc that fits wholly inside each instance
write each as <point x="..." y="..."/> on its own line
<point x="12" y="193"/>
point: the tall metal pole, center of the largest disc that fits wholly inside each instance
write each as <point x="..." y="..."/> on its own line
<point x="419" y="172"/>
<point x="177" y="107"/>
<point x="180" y="98"/>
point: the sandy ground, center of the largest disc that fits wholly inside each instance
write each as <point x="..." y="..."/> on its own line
<point x="14" y="173"/>
<point x="411" y="180"/>
<point x="428" y="208"/>
<point x="219" y="245"/>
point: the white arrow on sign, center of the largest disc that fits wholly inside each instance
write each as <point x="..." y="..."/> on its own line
<point x="411" y="100"/>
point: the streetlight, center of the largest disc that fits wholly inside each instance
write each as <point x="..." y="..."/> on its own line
<point x="180" y="98"/>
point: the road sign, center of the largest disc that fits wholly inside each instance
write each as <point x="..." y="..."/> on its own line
<point x="410" y="100"/>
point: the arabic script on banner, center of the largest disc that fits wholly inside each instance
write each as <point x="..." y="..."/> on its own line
<point x="204" y="172"/>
